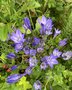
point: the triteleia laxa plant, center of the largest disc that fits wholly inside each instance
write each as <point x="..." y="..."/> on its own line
<point x="40" y="50"/>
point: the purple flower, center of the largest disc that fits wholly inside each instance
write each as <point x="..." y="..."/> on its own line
<point x="27" y="24"/>
<point x="46" y="25"/>
<point x="57" y="53"/>
<point x="48" y="32"/>
<point x="57" y="32"/>
<point x="36" y="41"/>
<point x="44" y="59"/>
<point x="11" y="56"/>
<point x="13" y="78"/>
<point x="42" y="30"/>
<point x="67" y="55"/>
<point x="40" y="49"/>
<point x="32" y="52"/>
<point x="18" y="47"/>
<point x="49" y="24"/>
<point x="26" y="50"/>
<point x="13" y="67"/>
<point x="51" y="60"/>
<point x="17" y="37"/>
<point x="63" y="42"/>
<point x="28" y="70"/>
<point x="43" y="65"/>
<point x="33" y="61"/>
<point x="37" y="85"/>
<point x="42" y="21"/>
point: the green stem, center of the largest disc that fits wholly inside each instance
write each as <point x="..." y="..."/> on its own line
<point x="45" y="5"/>
<point x="13" y="62"/>
<point x="31" y="19"/>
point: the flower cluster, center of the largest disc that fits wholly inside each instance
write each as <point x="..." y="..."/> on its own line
<point x="34" y="47"/>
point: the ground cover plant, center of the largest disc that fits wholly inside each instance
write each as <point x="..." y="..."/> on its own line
<point x="36" y="45"/>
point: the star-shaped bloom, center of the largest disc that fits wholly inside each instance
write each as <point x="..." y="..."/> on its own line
<point x="27" y="24"/>
<point x="36" y="41"/>
<point x="67" y="55"/>
<point x="44" y="59"/>
<point x="37" y="85"/>
<point x="48" y="32"/>
<point x="28" y="70"/>
<point x="43" y="20"/>
<point x="46" y="25"/>
<point x="49" y="24"/>
<point x="33" y="61"/>
<point x="26" y="50"/>
<point x="18" y="47"/>
<point x="51" y="60"/>
<point x="63" y="42"/>
<point x="32" y="52"/>
<point x="40" y="49"/>
<point x="17" y="37"/>
<point x="57" y="32"/>
<point x="57" y="53"/>
<point x="43" y="65"/>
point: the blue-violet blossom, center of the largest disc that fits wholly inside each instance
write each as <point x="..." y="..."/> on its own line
<point x="17" y="37"/>
<point x="36" y="41"/>
<point x="27" y="24"/>
<point x="57" y="53"/>
<point x="57" y="32"/>
<point x="46" y="25"/>
<point x="37" y="85"/>
<point x="67" y="55"/>
<point x="11" y="56"/>
<point x="28" y="70"/>
<point x="40" y="49"/>
<point x="13" y="78"/>
<point x="63" y="42"/>
<point x="32" y="52"/>
<point x="33" y="61"/>
<point x="13" y="67"/>
<point x="26" y="50"/>
<point x="43" y="65"/>
<point x="51" y="60"/>
<point x="18" y="47"/>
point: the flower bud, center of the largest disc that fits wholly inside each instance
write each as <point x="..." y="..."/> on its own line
<point x="13" y="78"/>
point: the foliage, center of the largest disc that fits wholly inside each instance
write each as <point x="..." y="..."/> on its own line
<point x="23" y="84"/>
<point x="12" y="13"/>
<point x="60" y="78"/>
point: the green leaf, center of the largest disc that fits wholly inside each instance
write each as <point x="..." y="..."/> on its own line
<point x="57" y="88"/>
<point x="33" y="4"/>
<point x="36" y="73"/>
<point x="28" y="31"/>
<point x="37" y="26"/>
<point x="24" y="84"/>
<point x="3" y="57"/>
<point x="22" y="29"/>
<point x="4" y="29"/>
<point x="29" y="5"/>
<point x="68" y="1"/>
<point x="51" y="3"/>
<point x="6" y="86"/>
